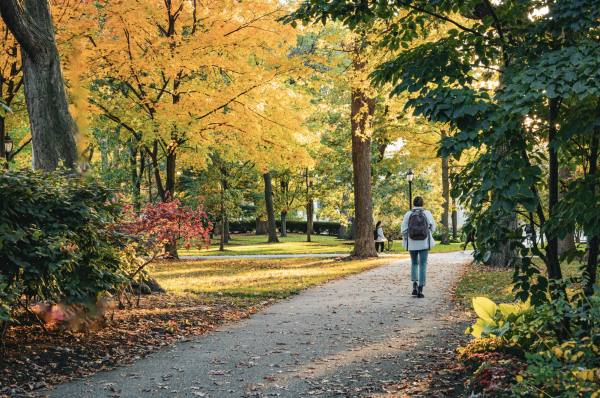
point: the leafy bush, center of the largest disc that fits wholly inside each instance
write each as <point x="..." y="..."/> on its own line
<point x="242" y="227"/>
<point x="495" y="376"/>
<point x="319" y="227"/>
<point x="496" y="320"/>
<point x="54" y="241"/>
<point x="158" y="231"/>
<point x="570" y="368"/>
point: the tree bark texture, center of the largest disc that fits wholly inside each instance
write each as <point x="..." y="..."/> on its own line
<point x="225" y="220"/>
<point x="272" y="228"/>
<point x="591" y="269"/>
<point x="283" y="233"/>
<point x="261" y="227"/>
<point x="53" y="130"/>
<point x="454" y="224"/>
<point x="136" y="178"/>
<point x="554" y="270"/>
<point x="227" y="235"/>
<point x="361" y="113"/>
<point x="2" y="135"/>
<point x="568" y="242"/>
<point x="446" y="196"/>
<point x="309" y="219"/>
<point x="222" y="240"/>
<point x="344" y="229"/>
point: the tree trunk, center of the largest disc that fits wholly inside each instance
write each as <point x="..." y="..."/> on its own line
<point x="283" y="233"/>
<point x="361" y="114"/>
<point x="222" y="240"/>
<point x="135" y="179"/>
<point x="593" y="247"/>
<point x="552" y="262"/>
<point x="261" y="227"/>
<point x="309" y="219"/>
<point x="2" y="135"/>
<point x="227" y="235"/>
<point x="344" y="229"/>
<point x="568" y="243"/>
<point x="150" y="197"/>
<point x="446" y="196"/>
<point x="554" y="270"/>
<point x="224" y="220"/>
<point x="53" y="130"/>
<point x="454" y="224"/>
<point x="272" y="228"/>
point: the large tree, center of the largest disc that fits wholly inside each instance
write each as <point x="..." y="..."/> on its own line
<point x="361" y="115"/>
<point x="178" y="76"/>
<point x="53" y="130"/>
<point x="544" y="112"/>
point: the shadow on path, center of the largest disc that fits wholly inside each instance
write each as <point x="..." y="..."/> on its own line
<point x="360" y="336"/>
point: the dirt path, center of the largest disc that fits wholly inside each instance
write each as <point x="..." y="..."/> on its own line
<point x="360" y="336"/>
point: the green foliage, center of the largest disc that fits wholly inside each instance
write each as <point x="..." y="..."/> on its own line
<point x="319" y="227"/>
<point x="496" y="321"/>
<point x="555" y="368"/>
<point x="569" y="369"/>
<point x="546" y="67"/>
<point x="242" y="227"/>
<point x="54" y="239"/>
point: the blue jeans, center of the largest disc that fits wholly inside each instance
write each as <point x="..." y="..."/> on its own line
<point x="418" y="269"/>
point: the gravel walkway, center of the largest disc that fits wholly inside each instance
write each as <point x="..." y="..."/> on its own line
<point x="359" y="336"/>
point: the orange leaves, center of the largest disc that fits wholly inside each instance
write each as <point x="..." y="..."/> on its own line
<point x="193" y="72"/>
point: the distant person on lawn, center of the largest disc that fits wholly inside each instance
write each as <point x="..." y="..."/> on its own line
<point x="417" y="228"/>
<point x="379" y="238"/>
<point x="471" y="239"/>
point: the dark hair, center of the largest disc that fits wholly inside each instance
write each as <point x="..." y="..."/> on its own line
<point x="418" y="201"/>
<point x="378" y="223"/>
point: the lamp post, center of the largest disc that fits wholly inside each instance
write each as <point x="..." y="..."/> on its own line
<point x="409" y="176"/>
<point x="8" y="147"/>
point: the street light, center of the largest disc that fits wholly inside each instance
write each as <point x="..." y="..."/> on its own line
<point x="409" y="176"/>
<point x="8" y="147"/>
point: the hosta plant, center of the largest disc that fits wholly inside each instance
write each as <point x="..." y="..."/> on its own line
<point x="496" y="320"/>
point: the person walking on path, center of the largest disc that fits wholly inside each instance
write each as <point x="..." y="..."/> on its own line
<point x="379" y="238"/>
<point x="417" y="228"/>
<point x="471" y="239"/>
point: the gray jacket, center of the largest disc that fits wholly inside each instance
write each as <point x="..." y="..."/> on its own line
<point x="418" y="244"/>
<point x="380" y="237"/>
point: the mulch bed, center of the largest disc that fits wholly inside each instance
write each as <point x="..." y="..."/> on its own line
<point x="32" y="360"/>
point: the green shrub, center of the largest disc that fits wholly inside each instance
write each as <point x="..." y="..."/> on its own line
<point x="498" y="320"/>
<point x="319" y="227"/>
<point x="54" y="239"/>
<point x="570" y="368"/>
<point x="242" y="227"/>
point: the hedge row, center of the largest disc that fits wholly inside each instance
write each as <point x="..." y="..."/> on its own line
<point x="319" y="227"/>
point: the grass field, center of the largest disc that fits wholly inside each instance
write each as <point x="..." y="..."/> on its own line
<point x="249" y="281"/>
<point x="294" y="244"/>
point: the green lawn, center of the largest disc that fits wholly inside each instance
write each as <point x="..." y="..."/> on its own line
<point x="248" y="281"/>
<point x="294" y="244"/>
